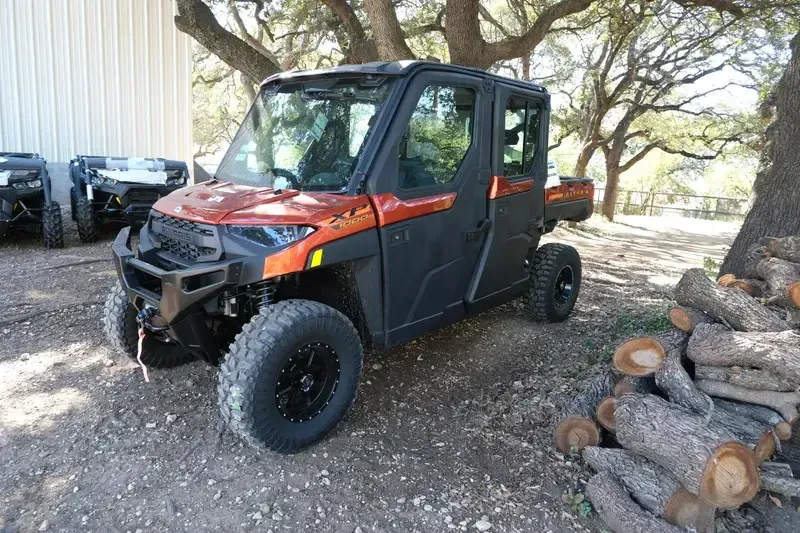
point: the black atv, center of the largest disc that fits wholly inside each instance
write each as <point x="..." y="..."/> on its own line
<point x="26" y="200"/>
<point x="106" y="189"/>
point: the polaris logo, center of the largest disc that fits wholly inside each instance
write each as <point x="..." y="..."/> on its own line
<point x="178" y="235"/>
<point x="178" y="209"/>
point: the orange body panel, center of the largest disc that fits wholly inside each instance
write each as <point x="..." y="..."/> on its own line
<point x="500" y="187"/>
<point x="390" y="209"/>
<point x="569" y="191"/>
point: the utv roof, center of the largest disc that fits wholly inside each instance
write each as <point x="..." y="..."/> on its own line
<point x="395" y="68"/>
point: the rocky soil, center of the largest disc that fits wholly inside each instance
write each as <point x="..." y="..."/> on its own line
<point x="450" y="432"/>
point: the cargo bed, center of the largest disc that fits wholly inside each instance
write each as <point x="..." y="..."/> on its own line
<point x="571" y="200"/>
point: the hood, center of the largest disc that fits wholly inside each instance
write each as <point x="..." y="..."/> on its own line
<point x="218" y="202"/>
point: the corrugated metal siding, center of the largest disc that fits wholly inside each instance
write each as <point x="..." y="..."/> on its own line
<point x="100" y="77"/>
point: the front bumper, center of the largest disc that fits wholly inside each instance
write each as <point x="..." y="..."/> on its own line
<point x="179" y="295"/>
<point x="127" y="201"/>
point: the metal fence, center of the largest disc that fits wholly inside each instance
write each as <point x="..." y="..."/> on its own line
<point x="650" y="203"/>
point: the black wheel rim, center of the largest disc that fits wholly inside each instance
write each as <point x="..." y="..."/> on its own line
<point x="563" y="289"/>
<point x="307" y="382"/>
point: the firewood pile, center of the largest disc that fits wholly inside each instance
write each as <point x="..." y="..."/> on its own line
<point x="698" y="419"/>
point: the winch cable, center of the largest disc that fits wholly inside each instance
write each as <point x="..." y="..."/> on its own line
<point x="139" y="355"/>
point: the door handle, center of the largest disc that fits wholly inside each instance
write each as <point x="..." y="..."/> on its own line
<point x="475" y="235"/>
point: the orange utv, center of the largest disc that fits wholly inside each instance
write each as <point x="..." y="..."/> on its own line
<point x="359" y="205"/>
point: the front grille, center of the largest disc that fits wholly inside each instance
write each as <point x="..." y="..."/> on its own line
<point x="141" y="197"/>
<point x="180" y="237"/>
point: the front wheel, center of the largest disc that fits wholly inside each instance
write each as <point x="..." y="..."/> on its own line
<point x="84" y="217"/>
<point x="52" y="226"/>
<point x="555" y="280"/>
<point x="290" y="375"/>
<point x="122" y="332"/>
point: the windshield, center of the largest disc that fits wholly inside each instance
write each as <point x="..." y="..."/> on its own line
<point x="306" y="136"/>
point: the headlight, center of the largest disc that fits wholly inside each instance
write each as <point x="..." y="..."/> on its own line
<point x="34" y="183"/>
<point x="30" y="184"/>
<point x="20" y="185"/>
<point x="180" y="180"/>
<point x="100" y="180"/>
<point x="271" y="236"/>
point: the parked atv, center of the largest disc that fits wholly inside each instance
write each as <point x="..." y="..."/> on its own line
<point x="106" y="189"/>
<point x="359" y="205"/>
<point x="26" y="200"/>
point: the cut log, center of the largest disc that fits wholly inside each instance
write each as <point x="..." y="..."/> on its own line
<point x="749" y="378"/>
<point x="575" y="422"/>
<point x="784" y="403"/>
<point x="679" y="387"/>
<point x="642" y="356"/>
<point x="783" y="281"/>
<point x="619" y="512"/>
<point x="653" y="488"/>
<point x="790" y="452"/>
<point x="640" y="384"/>
<point x="778" y="353"/>
<point x="605" y="413"/>
<point x="753" y="287"/>
<point x="726" y="280"/>
<point x="687" y="318"/>
<point x="763" y="414"/>
<point x="780" y="484"/>
<point x="732" y="306"/>
<point x="708" y="461"/>
<point x="777" y="469"/>
<point x="786" y="248"/>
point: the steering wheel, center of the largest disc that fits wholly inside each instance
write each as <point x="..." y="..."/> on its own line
<point x="284" y="173"/>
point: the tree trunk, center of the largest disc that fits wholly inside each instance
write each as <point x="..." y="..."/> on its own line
<point x="732" y="306"/>
<point x="575" y="422"/>
<point x="749" y="378"/>
<point x="778" y="353"/>
<point x="611" y="194"/>
<point x="386" y="28"/>
<point x="679" y="387"/>
<point x="652" y="487"/>
<point x="786" y="248"/>
<point x="619" y="512"/>
<point x="782" y="281"/>
<point x="640" y="384"/>
<point x="758" y="412"/>
<point x="785" y="403"/>
<point x="775" y="207"/>
<point x="709" y="462"/>
<point x="790" y="452"/>
<point x="688" y="318"/>
<point x="782" y="485"/>
<point x="643" y="356"/>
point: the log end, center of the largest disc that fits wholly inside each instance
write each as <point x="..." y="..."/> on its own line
<point x="793" y="291"/>
<point x="743" y="285"/>
<point x="576" y="433"/>
<point x="686" y="510"/>
<point x="606" y="413"/>
<point x="640" y="357"/>
<point x="681" y="319"/>
<point x="726" y="280"/>
<point x="730" y="477"/>
<point x="783" y="430"/>
<point x="766" y="448"/>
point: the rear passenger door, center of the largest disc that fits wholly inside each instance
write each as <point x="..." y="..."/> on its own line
<point x="515" y="196"/>
<point x="425" y="189"/>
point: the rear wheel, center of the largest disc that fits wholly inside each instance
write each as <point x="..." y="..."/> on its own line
<point x="290" y="375"/>
<point x="84" y="216"/>
<point x="554" y="282"/>
<point x="122" y="332"/>
<point x="52" y="226"/>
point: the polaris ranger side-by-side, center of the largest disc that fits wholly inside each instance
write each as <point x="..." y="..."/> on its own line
<point x="357" y="205"/>
<point x="119" y="188"/>
<point x="26" y="198"/>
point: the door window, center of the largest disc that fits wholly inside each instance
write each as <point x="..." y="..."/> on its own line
<point x="438" y="136"/>
<point x="521" y="136"/>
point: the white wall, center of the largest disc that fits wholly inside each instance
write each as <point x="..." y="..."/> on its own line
<point x="96" y="77"/>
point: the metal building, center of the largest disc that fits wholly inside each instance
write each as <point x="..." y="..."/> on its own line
<point x="104" y="77"/>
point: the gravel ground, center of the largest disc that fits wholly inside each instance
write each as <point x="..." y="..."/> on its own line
<point x="450" y="431"/>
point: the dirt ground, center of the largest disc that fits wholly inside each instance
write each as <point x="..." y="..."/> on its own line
<point x="448" y="430"/>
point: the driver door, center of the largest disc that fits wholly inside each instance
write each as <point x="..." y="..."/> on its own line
<point x="429" y="201"/>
